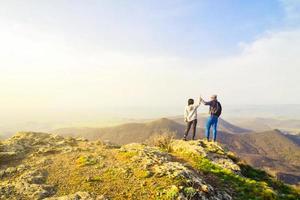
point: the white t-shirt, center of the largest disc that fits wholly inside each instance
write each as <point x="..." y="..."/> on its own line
<point x="190" y="112"/>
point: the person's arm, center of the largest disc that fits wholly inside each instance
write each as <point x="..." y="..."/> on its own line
<point x="199" y="102"/>
<point x="207" y="103"/>
<point x="185" y="114"/>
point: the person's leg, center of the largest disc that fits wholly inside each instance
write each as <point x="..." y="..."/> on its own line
<point x="194" y="128"/>
<point x="208" y="125"/>
<point x="188" y="127"/>
<point x="215" y="126"/>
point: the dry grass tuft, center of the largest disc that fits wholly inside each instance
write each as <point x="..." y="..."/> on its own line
<point x="162" y="141"/>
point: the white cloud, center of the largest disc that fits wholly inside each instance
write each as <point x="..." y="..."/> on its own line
<point x="267" y="71"/>
<point x="44" y="70"/>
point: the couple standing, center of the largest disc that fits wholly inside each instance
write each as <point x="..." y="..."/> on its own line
<point x="190" y="116"/>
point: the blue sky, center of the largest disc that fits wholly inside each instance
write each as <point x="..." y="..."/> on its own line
<point x="182" y="28"/>
<point x="104" y="55"/>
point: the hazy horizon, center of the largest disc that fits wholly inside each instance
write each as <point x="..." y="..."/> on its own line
<point x="97" y="119"/>
<point x="88" y="60"/>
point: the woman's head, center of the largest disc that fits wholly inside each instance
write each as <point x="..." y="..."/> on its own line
<point x="190" y="101"/>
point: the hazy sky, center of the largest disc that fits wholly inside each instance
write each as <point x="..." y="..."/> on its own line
<point x="59" y="56"/>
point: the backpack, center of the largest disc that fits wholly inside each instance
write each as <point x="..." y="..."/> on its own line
<point x="217" y="109"/>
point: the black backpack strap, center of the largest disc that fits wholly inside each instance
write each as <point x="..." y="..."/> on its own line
<point x="219" y="109"/>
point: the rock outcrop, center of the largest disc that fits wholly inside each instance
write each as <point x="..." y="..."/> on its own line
<point x="51" y="167"/>
<point x="209" y="150"/>
<point x="158" y="163"/>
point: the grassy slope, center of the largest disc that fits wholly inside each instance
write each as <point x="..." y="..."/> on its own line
<point x="254" y="184"/>
<point x="100" y="172"/>
<point x="111" y="172"/>
<point x="108" y="171"/>
<point x="268" y="150"/>
<point x="104" y="171"/>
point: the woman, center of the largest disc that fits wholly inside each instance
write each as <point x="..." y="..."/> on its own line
<point x="190" y="117"/>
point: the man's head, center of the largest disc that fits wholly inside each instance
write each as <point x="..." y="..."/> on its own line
<point x="190" y="101"/>
<point x="213" y="97"/>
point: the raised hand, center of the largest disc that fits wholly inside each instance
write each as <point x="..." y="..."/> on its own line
<point x="200" y="99"/>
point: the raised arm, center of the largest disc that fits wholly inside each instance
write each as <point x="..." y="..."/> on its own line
<point x="199" y="102"/>
<point x="207" y="103"/>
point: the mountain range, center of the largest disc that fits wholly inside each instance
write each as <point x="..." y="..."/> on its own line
<point x="140" y="131"/>
<point x="265" y="124"/>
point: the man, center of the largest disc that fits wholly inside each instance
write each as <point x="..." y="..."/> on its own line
<point x="190" y="117"/>
<point x="215" y="110"/>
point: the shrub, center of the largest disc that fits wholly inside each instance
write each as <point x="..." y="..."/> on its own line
<point x="162" y="141"/>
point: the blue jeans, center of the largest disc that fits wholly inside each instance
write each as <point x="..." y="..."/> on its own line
<point x="212" y="121"/>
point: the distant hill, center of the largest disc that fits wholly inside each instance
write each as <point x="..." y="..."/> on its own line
<point x="127" y="133"/>
<point x="295" y="138"/>
<point x="273" y="144"/>
<point x="134" y="132"/>
<point x="272" y="150"/>
<point x="264" y="124"/>
<point x="222" y="125"/>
